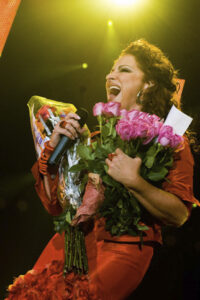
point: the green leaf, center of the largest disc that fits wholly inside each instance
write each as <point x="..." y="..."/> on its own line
<point x="157" y="176"/>
<point x="169" y="163"/>
<point x="149" y="161"/>
<point x="85" y="152"/>
<point x="114" y="230"/>
<point x="152" y="150"/>
<point x="108" y="148"/>
<point x="114" y="133"/>
<point x="105" y="130"/>
<point x="108" y="180"/>
<point x="68" y="217"/>
<point x="136" y="220"/>
<point x="83" y="182"/>
<point x="100" y="152"/>
<point x="142" y="227"/>
<point x="94" y="145"/>
<point x="79" y="167"/>
<point x="106" y="168"/>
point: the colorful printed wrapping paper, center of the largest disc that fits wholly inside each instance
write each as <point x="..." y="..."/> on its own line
<point x="44" y="115"/>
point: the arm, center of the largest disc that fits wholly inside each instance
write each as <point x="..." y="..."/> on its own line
<point x="163" y="205"/>
<point x="47" y="180"/>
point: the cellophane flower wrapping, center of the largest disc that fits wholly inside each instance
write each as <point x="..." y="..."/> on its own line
<point x="44" y="115"/>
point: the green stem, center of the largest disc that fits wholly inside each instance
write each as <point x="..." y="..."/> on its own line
<point x="111" y="127"/>
<point x="70" y="249"/>
<point x="75" y="250"/>
<point x="137" y="145"/>
<point x="100" y="127"/>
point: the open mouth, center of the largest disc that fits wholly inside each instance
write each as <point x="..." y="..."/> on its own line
<point x="113" y="92"/>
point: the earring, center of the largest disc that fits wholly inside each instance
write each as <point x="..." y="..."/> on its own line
<point x="139" y="100"/>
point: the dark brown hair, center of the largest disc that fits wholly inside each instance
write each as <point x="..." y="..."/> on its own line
<point x="158" y="98"/>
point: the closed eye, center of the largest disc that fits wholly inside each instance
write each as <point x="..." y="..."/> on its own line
<point x="124" y="69"/>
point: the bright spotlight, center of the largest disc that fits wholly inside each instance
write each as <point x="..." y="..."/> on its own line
<point x="84" y="65"/>
<point x="125" y="2"/>
<point x="110" y="23"/>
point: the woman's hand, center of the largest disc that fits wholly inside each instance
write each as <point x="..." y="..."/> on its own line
<point x="69" y="127"/>
<point x="163" y="205"/>
<point x="124" y="169"/>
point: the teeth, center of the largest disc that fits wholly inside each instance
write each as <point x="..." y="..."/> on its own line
<point x="114" y="87"/>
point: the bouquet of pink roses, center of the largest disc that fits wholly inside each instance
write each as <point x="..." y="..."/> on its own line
<point x="136" y="133"/>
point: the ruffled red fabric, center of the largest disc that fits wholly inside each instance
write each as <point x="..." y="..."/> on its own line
<point x="180" y="177"/>
<point x="49" y="283"/>
<point x="52" y="206"/>
<point x="42" y="161"/>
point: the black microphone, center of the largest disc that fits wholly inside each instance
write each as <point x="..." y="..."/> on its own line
<point x="66" y="142"/>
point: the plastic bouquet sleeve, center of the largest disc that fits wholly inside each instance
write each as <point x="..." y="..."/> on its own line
<point x="44" y="115"/>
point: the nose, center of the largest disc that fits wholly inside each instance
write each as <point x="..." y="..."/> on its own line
<point x="110" y="76"/>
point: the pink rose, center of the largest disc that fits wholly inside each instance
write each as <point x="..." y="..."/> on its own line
<point x="143" y="116"/>
<point x="153" y="130"/>
<point x="138" y="128"/>
<point x="153" y="118"/>
<point x="142" y="128"/>
<point x="157" y="126"/>
<point x="168" y="138"/>
<point x="177" y="141"/>
<point x="124" y="129"/>
<point x="150" y="134"/>
<point x="98" y="109"/>
<point x="112" y="109"/>
<point x="132" y="114"/>
<point x="123" y="113"/>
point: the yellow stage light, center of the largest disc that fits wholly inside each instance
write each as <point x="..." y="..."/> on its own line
<point x="84" y="65"/>
<point x="125" y="2"/>
<point x="110" y="23"/>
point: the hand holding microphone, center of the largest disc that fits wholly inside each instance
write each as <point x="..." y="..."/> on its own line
<point x="65" y="132"/>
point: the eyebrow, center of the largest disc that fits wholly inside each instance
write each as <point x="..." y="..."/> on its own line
<point x="125" y="66"/>
<point x="121" y="66"/>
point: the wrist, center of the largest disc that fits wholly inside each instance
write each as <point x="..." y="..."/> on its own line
<point x="136" y="183"/>
<point x="50" y="146"/>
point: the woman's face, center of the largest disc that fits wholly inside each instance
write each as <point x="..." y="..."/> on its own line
<point x="124" y="82"/>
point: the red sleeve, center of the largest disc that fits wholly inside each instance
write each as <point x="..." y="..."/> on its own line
<point x="180" y="177"/>
<point x="52" y="206"/>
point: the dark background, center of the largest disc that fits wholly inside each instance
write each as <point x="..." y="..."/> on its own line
<point x="48" y="41"/>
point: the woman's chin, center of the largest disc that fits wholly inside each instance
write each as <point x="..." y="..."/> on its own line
<point x="114" y="98"/>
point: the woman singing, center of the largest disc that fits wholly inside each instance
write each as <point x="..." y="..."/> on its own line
<point x="142" y="78"/>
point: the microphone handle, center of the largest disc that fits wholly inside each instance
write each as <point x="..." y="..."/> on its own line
<point x="59" y="151"/>
<point x="66" y="142"/>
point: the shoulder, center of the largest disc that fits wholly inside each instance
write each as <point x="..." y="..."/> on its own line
<point x="184" y="154"/>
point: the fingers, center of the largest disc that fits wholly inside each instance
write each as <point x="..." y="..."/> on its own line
<point x="138" y="160"/>
<point x="119" y="151"/>
<point x="72" y="116"/>
<point x="108" y="162"/>
<point x="67" y="131"/>
<point x="71" y="130"/>
<point x="73" y="120"/>
<point x="69" y="127"/>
